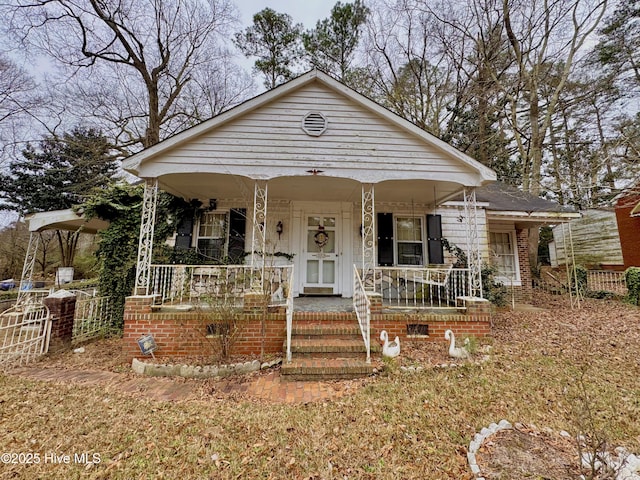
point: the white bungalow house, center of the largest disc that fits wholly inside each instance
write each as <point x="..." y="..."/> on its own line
<point x="313" y="165"/>
<point x="318" y="189"/>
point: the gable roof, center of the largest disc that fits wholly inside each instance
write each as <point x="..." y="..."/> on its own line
<point x="136" y="163"/>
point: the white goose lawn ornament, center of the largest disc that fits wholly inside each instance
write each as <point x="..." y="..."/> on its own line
<point x="456" y="352"/>
<point x="389" y="349"/>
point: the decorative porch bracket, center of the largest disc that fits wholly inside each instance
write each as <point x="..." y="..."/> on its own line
<point x="145" y="242"/>
<point x="26" y="280"/>
<point x="259" y="233"/>
<point x="368" y="236"/>
<point x="473" y="242"/>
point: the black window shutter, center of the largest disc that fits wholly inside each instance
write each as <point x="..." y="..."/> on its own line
<point x="385" y="239"/>
<point x="434" y="237"/>
<point x="184" y="233"/>
<point x="237" y="227"/>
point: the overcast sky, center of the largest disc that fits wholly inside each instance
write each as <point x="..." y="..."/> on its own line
<point x="307" y="12"/>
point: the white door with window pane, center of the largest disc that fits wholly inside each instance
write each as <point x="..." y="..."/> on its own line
<point x="320" y="254"/>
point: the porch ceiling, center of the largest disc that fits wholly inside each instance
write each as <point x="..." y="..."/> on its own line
<point x="307" y="188"/>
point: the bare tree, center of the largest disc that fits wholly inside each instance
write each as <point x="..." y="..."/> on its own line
<point x="145" y="50"/>
<point x="17" y="103"/>
<point x="410" y="73"/>
<point x="542" y="33"/>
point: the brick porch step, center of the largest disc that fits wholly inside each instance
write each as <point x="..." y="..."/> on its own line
<point x="324" y="330"/>
<point x="327" y="350"/>
<point x="327" y="347"/>
<point x="325" y="368"/>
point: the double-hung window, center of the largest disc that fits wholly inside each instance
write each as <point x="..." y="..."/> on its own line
<point x="503" y="256"/>
<point x="409" y="241"/>
<point x="212" y="235"/>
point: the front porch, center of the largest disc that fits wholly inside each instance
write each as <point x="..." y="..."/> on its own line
<point x="309" y="331"/>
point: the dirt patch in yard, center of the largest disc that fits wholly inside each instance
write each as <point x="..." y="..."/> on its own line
<point x="523" y="453"/>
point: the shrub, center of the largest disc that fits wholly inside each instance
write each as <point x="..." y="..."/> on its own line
<point x="493" y="290"/>
<point x="632" y="279"/>
<point x="579" y="280"/>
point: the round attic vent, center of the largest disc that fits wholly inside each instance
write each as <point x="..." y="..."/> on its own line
<point x="314" y="124"/>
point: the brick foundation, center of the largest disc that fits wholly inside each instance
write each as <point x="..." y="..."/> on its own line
<point x="62" y="311"/>
<point x="183" y="334"/>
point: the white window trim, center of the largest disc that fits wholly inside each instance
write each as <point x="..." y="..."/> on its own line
<point x="226" y="233"/>
<point x="395" y="239"/>
<point x="514" y="246"/>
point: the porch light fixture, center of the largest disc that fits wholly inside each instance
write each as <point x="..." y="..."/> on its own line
<point x="279" y="228"/>
<point x="315" y="171"/>
<point x="213" y="204"/>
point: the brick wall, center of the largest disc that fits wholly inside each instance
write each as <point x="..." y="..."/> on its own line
<point x="183" y="334"/>
<point x="62" y="311"/>
<point x="629" y="231"/>
<point x="524" y="293"/>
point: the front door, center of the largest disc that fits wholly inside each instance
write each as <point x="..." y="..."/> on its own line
<point x="320" y="255"/>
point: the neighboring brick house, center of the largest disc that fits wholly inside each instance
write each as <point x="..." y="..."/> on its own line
<point x="627" y="208"/>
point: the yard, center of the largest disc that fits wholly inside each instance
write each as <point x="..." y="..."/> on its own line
<point x="397" y="425"/>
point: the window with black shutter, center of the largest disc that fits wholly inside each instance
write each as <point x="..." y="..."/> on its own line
<point x="184" y="233"/>
<point x="385" y="239"/>
<point x="434" y="238"/>
<point x="237" y="228"/>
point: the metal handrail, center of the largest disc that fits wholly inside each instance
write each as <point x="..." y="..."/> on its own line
<point x="362" y="307"/>
<point x="289" y="314"/>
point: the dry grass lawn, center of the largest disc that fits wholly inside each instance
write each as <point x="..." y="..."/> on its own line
<point x="396" y="426"/>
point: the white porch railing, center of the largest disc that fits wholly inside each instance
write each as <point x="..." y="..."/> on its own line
<point x="606" y="281"/>
<point x="422" y="287"/>
<point x="176" y="284"/>
<point x="362" y="307"/>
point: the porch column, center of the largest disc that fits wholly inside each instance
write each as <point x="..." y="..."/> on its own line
<point x="29" y="264"/>
<point x="474" y="259"/>
<point x="368" y="236"/>
<point x="259" y="235"/>
<point x="145" y="242"/>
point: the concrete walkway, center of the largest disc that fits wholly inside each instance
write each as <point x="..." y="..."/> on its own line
<point x="264" y="387"/>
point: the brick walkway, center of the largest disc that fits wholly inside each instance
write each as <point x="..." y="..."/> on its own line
<point x="265" y="387"/>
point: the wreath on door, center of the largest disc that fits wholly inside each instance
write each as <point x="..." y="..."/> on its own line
<point x="321" y="237"/>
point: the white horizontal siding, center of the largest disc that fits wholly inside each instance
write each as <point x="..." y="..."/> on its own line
<point x="272" y="137"/>
<point x="595" y="239"/>
<point x="454" y="229"/>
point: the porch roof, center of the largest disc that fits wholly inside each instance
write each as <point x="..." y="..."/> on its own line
<point x="264" y="139"/>
<point x="64" y="220"/>
<point x="506" y="202"/>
